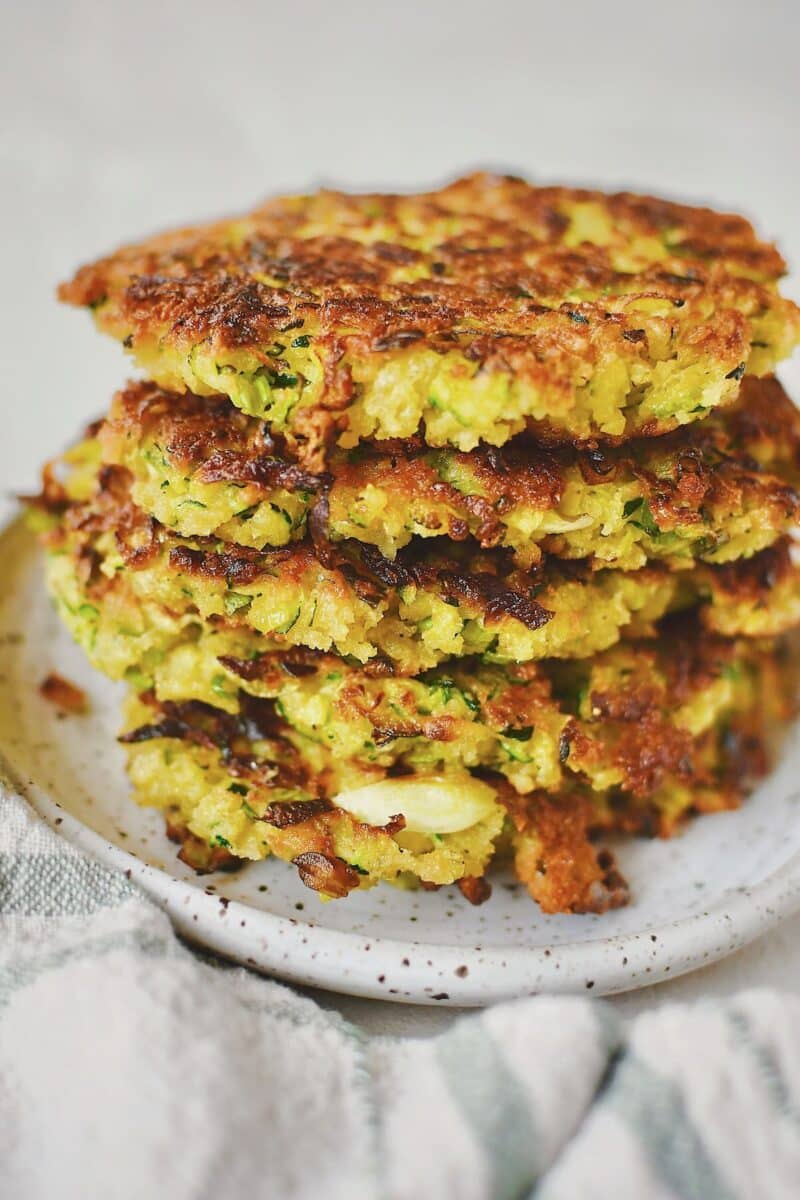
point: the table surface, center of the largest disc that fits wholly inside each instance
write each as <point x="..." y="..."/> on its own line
<point x="119" y="121"/>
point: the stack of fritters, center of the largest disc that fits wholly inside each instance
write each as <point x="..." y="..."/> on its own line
<point x="444" y="526"/>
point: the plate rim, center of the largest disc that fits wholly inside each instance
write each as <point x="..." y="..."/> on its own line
<point x="308" y="954"/>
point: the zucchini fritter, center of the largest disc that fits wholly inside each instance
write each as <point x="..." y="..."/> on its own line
<point x="468" y="314"/>
<point x="552" y="836"/>
<point x="119" y="578"/>
<point x="723" y="489"/>
<point x="621" y="719"/>
<point x="236" y="786"/>
<point x="242" y="787"/>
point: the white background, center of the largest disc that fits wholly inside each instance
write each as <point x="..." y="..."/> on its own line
<point x="118" y="119"/>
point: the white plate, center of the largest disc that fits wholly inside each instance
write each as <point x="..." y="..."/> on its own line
<point x="727" y="879"/>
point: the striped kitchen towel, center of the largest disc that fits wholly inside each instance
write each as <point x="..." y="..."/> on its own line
<point x="132" y="1067"/>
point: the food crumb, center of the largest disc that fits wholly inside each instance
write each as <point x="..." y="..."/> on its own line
<point x="64" y="695"/>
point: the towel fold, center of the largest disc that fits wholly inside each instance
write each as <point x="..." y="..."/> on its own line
<point x="131" y="1066"/>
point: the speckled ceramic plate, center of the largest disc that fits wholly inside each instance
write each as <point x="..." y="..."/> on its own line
<point x="696" y="898"/>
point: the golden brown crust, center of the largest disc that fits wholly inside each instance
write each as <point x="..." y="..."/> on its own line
<point x="554" y="858"/>
<point x="630" y="720"/>
<point x="747" y="454"/>
<point x="490" y="266"/>
<point x="719" y="786"/>
<point x="486" y="584"/>
<point x="619" y="708"/>
<point x="486" y="580"/>
<point x="753" y="580"/>
<point x="203" y="283"/>
<point x="205" y="434"/>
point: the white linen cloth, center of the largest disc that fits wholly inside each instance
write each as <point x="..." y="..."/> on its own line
<point x="133" y="1067"/>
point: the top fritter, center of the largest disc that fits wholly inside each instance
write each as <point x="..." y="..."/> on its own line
<point x="466" y="314"/>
